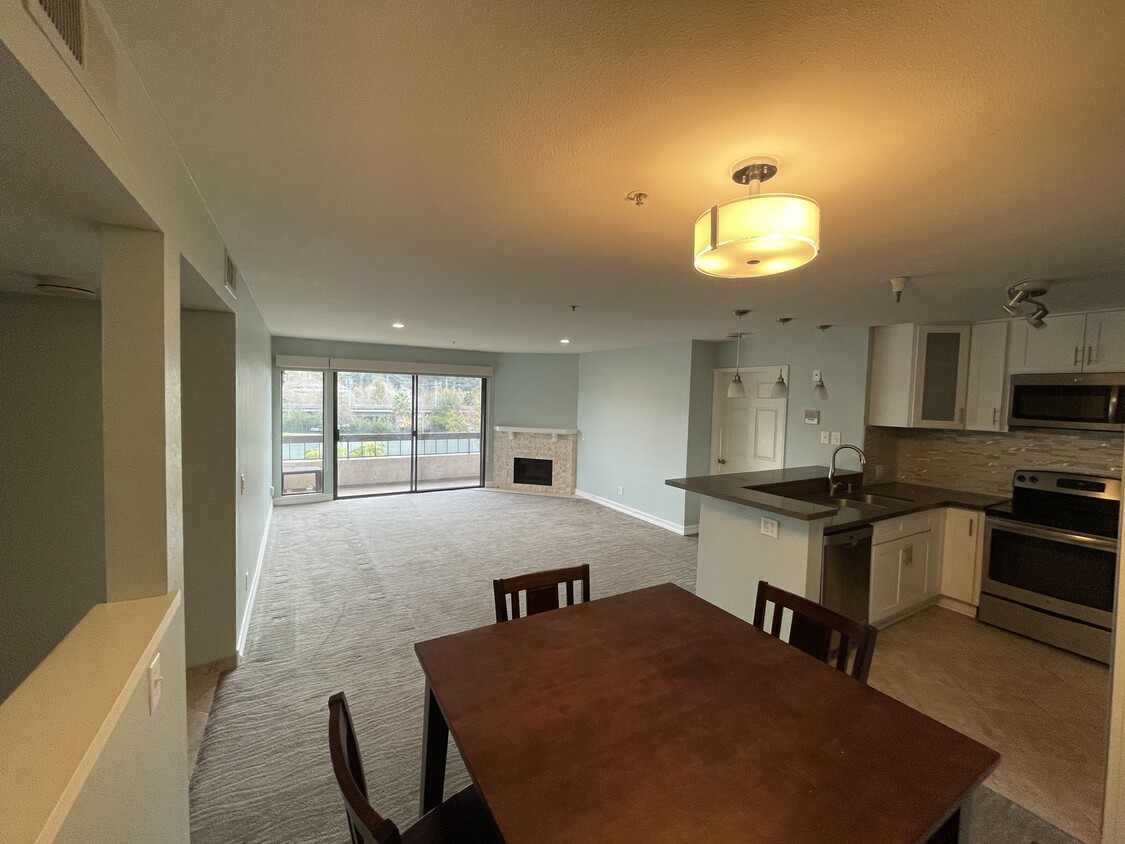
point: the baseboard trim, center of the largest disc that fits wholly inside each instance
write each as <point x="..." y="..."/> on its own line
<point x="947" y="603"/>
<point x="691" y="530"/>
<point x="253" y="596"/>
<point x="636" y="514"/>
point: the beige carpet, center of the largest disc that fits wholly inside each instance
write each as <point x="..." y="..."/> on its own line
<point x="347" y="589"/>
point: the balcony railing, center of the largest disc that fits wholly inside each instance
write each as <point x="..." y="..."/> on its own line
<point x="310" y="446"/>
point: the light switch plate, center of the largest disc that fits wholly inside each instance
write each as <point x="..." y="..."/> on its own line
<point x="835" y="438"/>
<point x="769" y="527"/>
<point x="824" y="437"/>
<point x="155" y="683"/>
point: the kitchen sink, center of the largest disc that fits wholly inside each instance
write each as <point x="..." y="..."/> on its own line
<point x="871" y="498"/>
<point x="860" y="499"/>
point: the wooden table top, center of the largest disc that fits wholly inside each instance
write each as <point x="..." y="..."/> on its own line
<point x="655" y="716"/>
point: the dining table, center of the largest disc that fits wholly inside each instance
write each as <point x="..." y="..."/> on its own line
<point x="655" y="716"/>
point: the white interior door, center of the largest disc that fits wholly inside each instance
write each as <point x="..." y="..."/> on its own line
<point x="748" y="435"/>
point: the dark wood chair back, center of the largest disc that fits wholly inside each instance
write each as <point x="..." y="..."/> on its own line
<point x="365" y="825"/>
<point x="817" y="630"/>
<point x="541" y="588"/>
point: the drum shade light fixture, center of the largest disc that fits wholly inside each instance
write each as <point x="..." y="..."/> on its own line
<point x="761" y="234"/>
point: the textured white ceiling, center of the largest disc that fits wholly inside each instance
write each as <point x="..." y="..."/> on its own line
<point x="461" y="166"/>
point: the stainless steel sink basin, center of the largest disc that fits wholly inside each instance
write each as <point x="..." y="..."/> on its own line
<point x="860" y="499"/>
<point x="871" y="498"/>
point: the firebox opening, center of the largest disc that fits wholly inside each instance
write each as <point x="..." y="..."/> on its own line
<point x="531" y="470"/>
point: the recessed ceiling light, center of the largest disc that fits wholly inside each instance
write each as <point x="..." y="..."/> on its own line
<point x="565" y="340"/>
<point x="397" y="325"/>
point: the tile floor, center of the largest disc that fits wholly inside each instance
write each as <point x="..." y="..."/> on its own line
<point x="202" y="683"/>
<point x="1043" y="709"/>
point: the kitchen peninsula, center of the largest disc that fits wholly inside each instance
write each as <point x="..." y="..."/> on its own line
<point x="771" y="526"/>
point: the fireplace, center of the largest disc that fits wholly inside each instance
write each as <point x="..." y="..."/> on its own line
<point x="531" y="470"/>
<point x="539" y="461"/>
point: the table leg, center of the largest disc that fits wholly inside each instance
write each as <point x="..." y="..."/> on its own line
<point x="955" y="830"/>
<point x="435" y="745"/>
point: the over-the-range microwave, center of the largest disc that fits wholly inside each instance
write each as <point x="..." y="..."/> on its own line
<point x="1082" y="401"/>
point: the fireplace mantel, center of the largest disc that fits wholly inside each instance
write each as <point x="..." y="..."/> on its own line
<point x="512" y="430"/>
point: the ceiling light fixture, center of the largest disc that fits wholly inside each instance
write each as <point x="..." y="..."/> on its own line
<point x="780" y="389"/>
<point x="898" y="284"/>
<point x="565" y="340"/>
<point x="737" y="390"/>
<point x="762" y="234"/>
<point x="397" y="325"/>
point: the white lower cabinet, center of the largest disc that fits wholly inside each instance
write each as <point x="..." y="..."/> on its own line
<point x="905" y="573"/>
<point x="962" y="549"/>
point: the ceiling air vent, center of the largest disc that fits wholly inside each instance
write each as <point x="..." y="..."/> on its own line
<point x="66" y="17"/>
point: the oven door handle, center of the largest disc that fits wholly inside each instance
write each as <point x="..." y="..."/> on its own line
<point x="1051" y="534"/>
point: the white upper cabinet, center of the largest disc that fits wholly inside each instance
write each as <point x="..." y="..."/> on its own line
<point x="984" y="402"/>
<point x="919" y="376"/>
<point x="1069" y="343"/>
<point x="1105" y="342"/>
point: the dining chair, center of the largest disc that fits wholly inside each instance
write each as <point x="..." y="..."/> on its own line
<point x="541" y="588"/>
<point x="462" y="819"/>
<point x="817" y="630"/>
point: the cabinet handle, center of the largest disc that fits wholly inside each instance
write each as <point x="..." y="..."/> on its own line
<point x="1077" y="355"/>
<point x="1089" y="355"/>
<point x="970" y="527"/>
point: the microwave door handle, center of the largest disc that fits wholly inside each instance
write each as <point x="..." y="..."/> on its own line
<point x="1113" y="405"/>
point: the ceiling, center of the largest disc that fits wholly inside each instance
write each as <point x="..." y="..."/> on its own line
<point x="461" y="167"/>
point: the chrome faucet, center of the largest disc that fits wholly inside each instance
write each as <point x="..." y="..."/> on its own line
<point x="832" y="468"/>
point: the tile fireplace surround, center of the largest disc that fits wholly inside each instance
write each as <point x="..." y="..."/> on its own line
<point x="559" y="445"/>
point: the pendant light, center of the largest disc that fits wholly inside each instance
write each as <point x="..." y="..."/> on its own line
<point x="780" y="388"/>
<point x="760" y="234"/>
<point x="737" y="390"/>
<point x="819" y="390"/>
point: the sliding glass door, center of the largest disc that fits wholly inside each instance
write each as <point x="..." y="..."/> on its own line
<point x="407" y="433"/>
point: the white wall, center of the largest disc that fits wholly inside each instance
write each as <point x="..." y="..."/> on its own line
<point x="52" y="557"/>
<point x="633" y="413"/>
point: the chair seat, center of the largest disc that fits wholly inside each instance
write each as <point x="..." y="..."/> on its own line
<point x="462" y="819"/>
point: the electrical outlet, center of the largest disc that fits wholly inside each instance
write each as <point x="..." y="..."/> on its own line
<point x="247" y="580"/>
<point x="242" y="484"/>
<point x="621" y="490"/>
<point x="769" y="527"/>
<point x="835" y="438"/>
<point x="155" y="683"/>
<point x="824" y="437"/>
<point x="880" y="470"/>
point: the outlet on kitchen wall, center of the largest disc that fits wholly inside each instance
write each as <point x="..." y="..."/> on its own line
<point x="824" y="437"/>
<point x="621" y="490"/>
<point x="155" y="683"/>
<point x="769" y="527"/>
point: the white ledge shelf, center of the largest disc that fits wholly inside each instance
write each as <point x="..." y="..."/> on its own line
<point x="54" y="725"/>
<point x="512" y="430"/>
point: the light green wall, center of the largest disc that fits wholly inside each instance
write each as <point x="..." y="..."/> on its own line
<point x="841" y="354"/>
<point x="538" y="391"/>
<point x="699" y="420"/>
<point x="52" y="557"/>
<point x="633" y="412"/>
<point x="137" y="791"/>
<point x="207" y="361"/>
<point x="254" y="443"/>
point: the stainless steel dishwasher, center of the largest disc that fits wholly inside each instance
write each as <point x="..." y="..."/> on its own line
<point x="845" y="578"/>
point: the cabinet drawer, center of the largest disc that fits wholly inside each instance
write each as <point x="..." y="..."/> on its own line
<point x="889" y="529"/>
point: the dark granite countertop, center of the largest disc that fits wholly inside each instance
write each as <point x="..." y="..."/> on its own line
<point x="786" y="492"/>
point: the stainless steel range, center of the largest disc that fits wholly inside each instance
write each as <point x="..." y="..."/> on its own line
<point x="1050" y="560"/>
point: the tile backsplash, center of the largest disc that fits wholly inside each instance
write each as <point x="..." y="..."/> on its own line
<point x="983" y="461"/>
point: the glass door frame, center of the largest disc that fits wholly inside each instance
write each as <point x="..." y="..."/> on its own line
<point x="332" y="389"/>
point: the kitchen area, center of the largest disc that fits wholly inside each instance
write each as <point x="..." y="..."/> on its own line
<point x="979" y="535"/>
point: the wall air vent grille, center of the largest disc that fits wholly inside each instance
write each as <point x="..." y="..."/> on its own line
<point x="66" y="15"/>
<point x="231" y="280"/>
